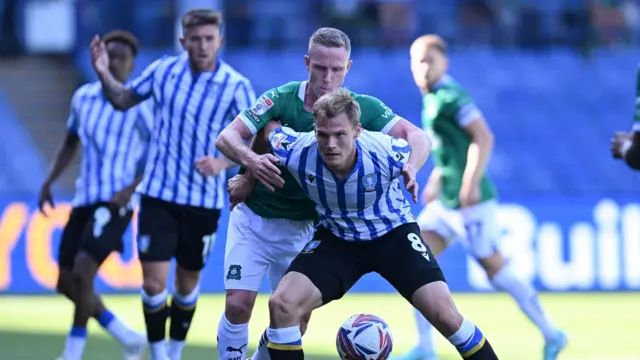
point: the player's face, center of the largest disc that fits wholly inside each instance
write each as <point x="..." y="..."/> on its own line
<point x="336" y="141"/>
<point x="120" y="59"/>
<point x="202" y="43"/>
<point x="327" y="68"/>
<point x="427" y="65"/>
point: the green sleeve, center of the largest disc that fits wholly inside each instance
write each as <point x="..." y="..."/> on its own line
<point x="460" y="107"/>
<point x="266" y="108"/>
<point x="375" y="115"/>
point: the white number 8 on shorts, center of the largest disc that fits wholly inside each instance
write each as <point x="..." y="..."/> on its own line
<point x="418" y="245"/>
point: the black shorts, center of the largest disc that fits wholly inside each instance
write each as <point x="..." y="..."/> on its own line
<point x="167" y="230"/>
<point x="400" y="256"/>
<point x="95" y="229"/>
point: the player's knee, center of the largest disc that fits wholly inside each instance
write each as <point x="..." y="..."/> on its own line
<point x="283" y="309"/>
<point x="153" y="286"/>
<point x="81" y="279"/>
<point x="239" y="305"/>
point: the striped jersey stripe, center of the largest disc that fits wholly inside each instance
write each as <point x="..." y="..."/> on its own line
<point x="369" y="202"/>
<point x="190" y="112"/>
<point x="114" y="143"/>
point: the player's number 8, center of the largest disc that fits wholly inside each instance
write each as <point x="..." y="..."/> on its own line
<point x="416" y="243"/>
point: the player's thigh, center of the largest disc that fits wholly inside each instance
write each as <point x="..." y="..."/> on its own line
<point x="290" y="240"/>
<point x="103" y="234"/>
<point x="482" y="229"/>
<point x="245" y="262"/>
<point x="445" y="223"/>
<point x="405" y="261"/>
<point x="197" y="236"/>
<point x="329" y="263"/>
<point x="72" y="236"/>
<point x="158" y="229"/>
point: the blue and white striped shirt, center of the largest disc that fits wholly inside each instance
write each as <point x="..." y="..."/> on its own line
<point x="114" y="143"/>
<point x="191" y="111"/>
<point x="369" y="202"/>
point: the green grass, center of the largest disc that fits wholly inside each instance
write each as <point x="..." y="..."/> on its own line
<point x="600" y="326"/>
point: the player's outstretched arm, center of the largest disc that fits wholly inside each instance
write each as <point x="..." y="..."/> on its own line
<point x="417" y="139"/>
<point x="121" y="97"/>
<point x="478" y="156"/>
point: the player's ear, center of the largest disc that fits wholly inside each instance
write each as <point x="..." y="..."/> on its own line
<point x="307" y="61"/>
<point x="349" y="63"/>
<point x="182" y="42"/>
<point x="358" y="130"/>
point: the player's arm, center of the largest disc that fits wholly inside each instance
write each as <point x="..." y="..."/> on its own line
<point x="120" y="96"/>
<point x="434" y="184"/>
<point x="232" y="141"/>
<point x="64" y="156"/>
<point x="481" y="147"/>
<point x="244" y="97"/>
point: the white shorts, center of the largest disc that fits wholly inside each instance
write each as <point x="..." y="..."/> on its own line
<point x="258" y="246"/>
<point x="476" y="227"/>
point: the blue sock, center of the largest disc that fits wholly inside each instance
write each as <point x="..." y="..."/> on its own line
<point x="105" y="318"/>
<point x="78" y="332"/>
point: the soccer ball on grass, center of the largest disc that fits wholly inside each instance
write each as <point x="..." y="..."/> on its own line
<point x="364" y="337"/>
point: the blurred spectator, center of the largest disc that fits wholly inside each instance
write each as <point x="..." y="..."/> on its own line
<point x="396" y="20"/>
<point x="9" y="43"/>
<point x="239" y="23"/>
<point x="476" y="19"/>
<point x="609" y="21"/>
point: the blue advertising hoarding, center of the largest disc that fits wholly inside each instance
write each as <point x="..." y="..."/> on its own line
<point x="561" y="244"/>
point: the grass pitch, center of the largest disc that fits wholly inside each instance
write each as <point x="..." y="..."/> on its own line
<point x="600" y="326"/>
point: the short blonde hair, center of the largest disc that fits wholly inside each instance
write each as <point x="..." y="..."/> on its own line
<point x="331" y="38"/>
<point x="335" y="103"/>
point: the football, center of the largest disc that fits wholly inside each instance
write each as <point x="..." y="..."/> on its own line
<point x="364" y="337"/>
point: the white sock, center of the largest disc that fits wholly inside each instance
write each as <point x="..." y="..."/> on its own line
<point x="158" y="350"/>
<point x="425" y="333"/>
<point x="74" y="346"/>
<point x="262" y="353"/>
<point x="119" y="330"/>
<point x="468" y="339"/>
<point x="527" y="297"/>
<point x="174" y="350"/>
<point x="232" y="340"/>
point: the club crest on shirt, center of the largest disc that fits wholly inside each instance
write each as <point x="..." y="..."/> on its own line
<point x="262" y="106"/>
<point x="369" y="182"/>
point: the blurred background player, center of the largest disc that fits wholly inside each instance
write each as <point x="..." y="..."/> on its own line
<point x="196" y="95"/>
<point x="626" y="145"/>
<point x="461" y="200"/>
<point x="114" y="145"/>
<point x="366" y="225"/>
<point x="282" y="222"/>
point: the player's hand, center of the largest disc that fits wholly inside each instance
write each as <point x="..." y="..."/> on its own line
<point x="240" y="188"/>
<point x="122" y="197"/>
<point x="45" y="198"/>
<point x="410" y="183"/>
<point x="469" y="194"/>
<point x="210" y="166"/>
<point x="617" y="142"/>
<point x="264" y="169"/>
<point x="99" y="56"/>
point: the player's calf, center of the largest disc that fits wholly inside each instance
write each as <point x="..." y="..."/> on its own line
<point x="295" y="296"/>
<point x="154" y="303"/>
<point x="233" y="329"/>
<point x="436" y="304"/>
<point x="183" y="307"/>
